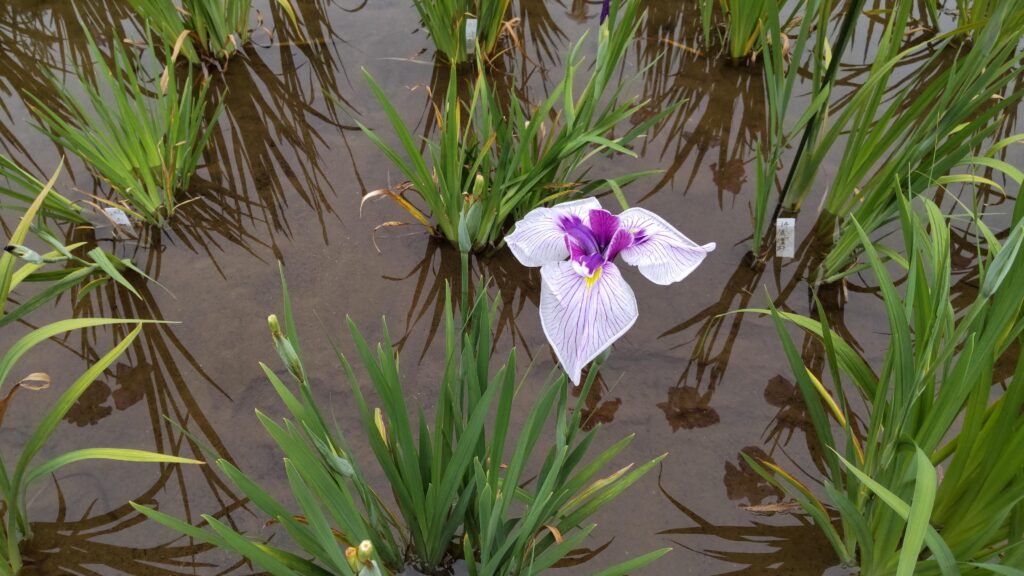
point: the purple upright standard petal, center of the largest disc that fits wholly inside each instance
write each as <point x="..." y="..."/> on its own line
<point x="582" y="316"/>
<point x="539" y="237"/>
<point x="605" y="7"/>
<point x="622" y="239"/>
<point x="603" y="224"/>
<point x="661" y="253"/>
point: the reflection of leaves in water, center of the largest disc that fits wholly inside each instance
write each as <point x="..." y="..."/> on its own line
<point x="758" y="548"/>
<point x="540" y="31"/>
<point x="441" y="265"/>
<point x="319" y="44"/>
<point x="37" y="35"/>
<point x="792" y="415"/>
<point x="688" y="409"/>
<point x="736" y="294"/>
<point x="148" y="375"/>
<point x="81" y="545"/>
<point x="723" y="106"/>
<point x="267" y="151"/>
<point x="580" y="556"/>
<point x="201" y="227"/>
<point x="719" y="327"/>
<point x="35" y="382"/>
<point x="55" y="40"/>
<point x="743" y="483"/>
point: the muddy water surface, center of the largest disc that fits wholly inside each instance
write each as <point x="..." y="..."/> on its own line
<point x="283" y="179"/>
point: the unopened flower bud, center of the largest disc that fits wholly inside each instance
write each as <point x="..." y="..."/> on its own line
<point x="478" y="186"/>
<point x="285" y="349"/>
<point x="352" y="557"/>
<point x="365" y="554"/>
<point x="378" y="419"/>
<point x="27" y="254"/>
<point x="275" y="327"/>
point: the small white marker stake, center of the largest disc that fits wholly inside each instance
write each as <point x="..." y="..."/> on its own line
<point x="470" y="35"/>
<point x="785" y="237"/>
<point x="117" y="216"/>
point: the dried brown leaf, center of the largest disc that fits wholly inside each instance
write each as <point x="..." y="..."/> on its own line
<point x="34" y="381"/>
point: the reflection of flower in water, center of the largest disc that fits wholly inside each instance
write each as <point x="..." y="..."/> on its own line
<point x="782" y="393"/>
<point x="792" y="414"/>
<point x="741" y="481"/>
<point x="596" y="412"/>
<point x="132" y="382"/>
<point x="730" y="175"/>
<point x="645" y="112"/>
<point x="90" y="407"/>
<point x="688" y="408"/>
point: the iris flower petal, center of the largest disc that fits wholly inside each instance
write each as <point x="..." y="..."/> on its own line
<point x="583" y="316"/>
<point x="661" y="253"/>
<point x="620" y="241"/>
<point x="603" y="224"/>
<point x="539" y="238"/>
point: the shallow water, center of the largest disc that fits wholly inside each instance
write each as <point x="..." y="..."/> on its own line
<point x="283" y="181"/>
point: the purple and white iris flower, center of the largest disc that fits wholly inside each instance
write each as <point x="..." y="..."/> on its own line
<point x="585" y="305"/>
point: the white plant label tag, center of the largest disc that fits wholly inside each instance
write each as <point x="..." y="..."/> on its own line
<point x="117" y="216"/>
<point x="471" y="35"/>
<point x="785" y="237"/>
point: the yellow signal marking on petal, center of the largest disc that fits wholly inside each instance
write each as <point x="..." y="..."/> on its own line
<point x="591" y="280"/>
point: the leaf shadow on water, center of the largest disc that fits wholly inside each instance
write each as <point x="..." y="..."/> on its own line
<point x="756" y="548"/>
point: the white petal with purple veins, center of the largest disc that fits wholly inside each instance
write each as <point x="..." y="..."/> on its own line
<point x="660" y="252"/>
<point x="539" y="239"/>
<point x="582" y="317"/>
